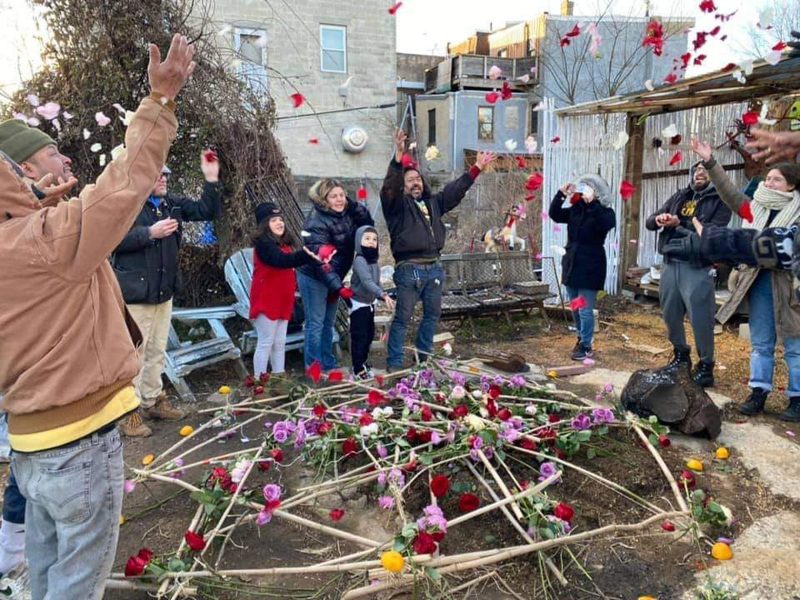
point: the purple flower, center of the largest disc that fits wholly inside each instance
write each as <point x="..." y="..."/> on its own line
<point x="565" y="527"/>
<point x="581" y="422"/>
<point x="129" y="486"/>
<point x="272" y="492"/>
<point x="546" y="469"/>
<point x="433" y="520"/>
<point x="382" y="478"/>
<point x="608" y="388"/>
<point x="517" y="382"/>
<point x="602" y="415"/>
<point x="509" y="434"/>
<point x="382" y="451"/>
<point x="458" y="378"/>
<point x="498" y="380"/>
<point x="264" y="517"/>
<point x="396" y="476"/>
<point x="436" y="438"/>
<point x="386" y="502"/>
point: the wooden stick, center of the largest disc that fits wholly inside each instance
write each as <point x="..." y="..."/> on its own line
<point x="662" y="465"/>
<point x="500" y="483"/>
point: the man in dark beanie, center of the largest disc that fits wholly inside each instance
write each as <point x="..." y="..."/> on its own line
<point x="687" y="285"/>
<point x="414" y="218"/>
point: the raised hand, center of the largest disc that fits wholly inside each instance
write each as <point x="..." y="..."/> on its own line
<point x="399" y="144"/>
<point x="168" y="77"/>
<point x="484" y="158"/>
<point x="56" y="189"/>
<point x="209" y="165"/>
<point x="774" y="146"/>
<point x="702" y="149"/>
<point x="567" y="189"/>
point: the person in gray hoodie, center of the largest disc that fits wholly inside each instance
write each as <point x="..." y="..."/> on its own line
<point x="366" y="285"/>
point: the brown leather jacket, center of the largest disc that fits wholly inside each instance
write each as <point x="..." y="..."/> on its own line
<point x="65" y="349"/>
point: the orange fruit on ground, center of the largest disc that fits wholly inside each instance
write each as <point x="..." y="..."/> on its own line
<point x="722" y="453"/>
<point x="721" y="551"/>
<point x="392" y="561"/>
<point x="647" y="598"/>
<point x="186" y="430"/>
<point x="225" y="390"/>
<point x="148" y="459"/>
<point x="694" y="464"/>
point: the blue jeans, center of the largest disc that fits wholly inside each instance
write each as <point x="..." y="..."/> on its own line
<point x="414" y="283"/>
<point x="72" y="520"/>
<point x="320" y="319"/>
<point x="13" y="502"/>
<point x="763" y="338"/>
<point x="584" y="317"/>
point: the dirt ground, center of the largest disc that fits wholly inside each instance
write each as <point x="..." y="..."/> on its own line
<point x="623" y="567"/>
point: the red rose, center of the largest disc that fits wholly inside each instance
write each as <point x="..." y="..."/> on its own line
<point x="375" y="398"/>
<point x="336" y="376"/>
<point x="494" y="391"/>
<point x="264" y="465"/>
<point x="336" y="514"/>
<point x="424" y="544"/>
<point x="263" y="378"/>
<point x="468" y="502"/>
<point x="365" y="419"/>
<point x="248" y="381"/>
<point x="319" y="411"/>
<point x="750" y="118"/>
<point x="491" y="408"/>
<point x="553" y="418"/>
<point x="314" y="372"/>
<point x="277" y="455"/>
<point x="135" y="566"/>
<point x="687" y="478"/>
<point x="504" y="414"/>
<point x="424" y="437"/>
<point x="528" y="444"/>
<point x="426" y="414"/>
<point x="272" y="505"/>
<point x="324" y="428"/>
<point x="745" y="212"/>
<point x="460" y="411"/>
<point x="145" y="554"/>
<point x="259" y="389"/>
<point x="411" y="434"/>
<point x="664" y="441"/>
<point x="195" y="541"/>
<point x="379" y="379"/>
<point x="349" y="447"/>
<point x="439" y="485"/>
<point x="564" y="512"/>
<point x="668" y="526"/>
<point x="437" y="536"/>
<point x="210" y="156"/>
<point x="410" y="466"/>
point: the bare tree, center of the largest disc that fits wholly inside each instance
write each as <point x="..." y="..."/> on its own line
<point x="573" y="72"/>
<point x="785" y="19"/>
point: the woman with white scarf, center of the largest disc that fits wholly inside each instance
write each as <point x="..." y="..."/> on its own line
<point x="773" y="307"/>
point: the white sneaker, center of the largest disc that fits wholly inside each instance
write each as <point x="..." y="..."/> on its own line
<point x="16" y="584"/>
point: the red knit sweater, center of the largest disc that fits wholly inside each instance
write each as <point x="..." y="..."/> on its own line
<point x="272" y="290"/>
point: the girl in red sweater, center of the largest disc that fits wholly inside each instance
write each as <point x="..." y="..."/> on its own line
<point x="272" y="291"/>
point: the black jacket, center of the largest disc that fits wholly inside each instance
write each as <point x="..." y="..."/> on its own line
<point x="709" y="210"/>
<point x="584" y="264"/>
<point x="323" y="226"/>
<point x="147" y="270"/>
<point x="411" y="236"/>
<point x="269" y="253"/>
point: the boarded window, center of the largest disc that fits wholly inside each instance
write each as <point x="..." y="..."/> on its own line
<point x="432" y="127"/>
<point x="512" y="117"/>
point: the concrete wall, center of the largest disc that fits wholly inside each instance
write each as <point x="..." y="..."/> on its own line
<point x="293" y="58"/>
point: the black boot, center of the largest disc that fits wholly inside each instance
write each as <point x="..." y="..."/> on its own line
<point x="681" y="358"/>
<point x="755" y="403"/>
<point x="703" y="374"/>
<point x="792" y="413"/>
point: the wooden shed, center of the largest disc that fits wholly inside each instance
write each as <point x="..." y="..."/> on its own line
<point x="586" y="139"/>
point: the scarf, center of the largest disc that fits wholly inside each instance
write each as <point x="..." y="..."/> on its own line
<point x="766" y="200"/>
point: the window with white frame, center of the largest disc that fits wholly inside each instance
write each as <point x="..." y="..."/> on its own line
<point x="333" y="48"/>
<point x="251" y="49"/>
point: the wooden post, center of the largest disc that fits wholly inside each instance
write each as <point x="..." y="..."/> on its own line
<point x="631" y="213"/>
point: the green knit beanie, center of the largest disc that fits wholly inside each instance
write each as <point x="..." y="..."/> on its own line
<point x="20" y="141"/>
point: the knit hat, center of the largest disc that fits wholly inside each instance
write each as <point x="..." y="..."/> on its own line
<point x="21" y="141"/>
<point x="602" y="191"/>
<point x="267" y="210"/>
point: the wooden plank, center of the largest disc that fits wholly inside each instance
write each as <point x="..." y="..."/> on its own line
<point x="634" y="158"/>
<point x="569" y="370"/>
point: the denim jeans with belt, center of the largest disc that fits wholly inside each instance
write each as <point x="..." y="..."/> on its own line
<point x="584" y="317"/>
<point x="763" y="338"/>
<point x="74" y="498"/>
<point x="320" y="319"/>
<point x="415" y="282"/>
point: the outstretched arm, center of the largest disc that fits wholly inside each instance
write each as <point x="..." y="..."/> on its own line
<point x="454" y="192"/>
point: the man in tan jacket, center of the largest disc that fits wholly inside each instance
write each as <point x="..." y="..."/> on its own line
<point x="67" y="378"/>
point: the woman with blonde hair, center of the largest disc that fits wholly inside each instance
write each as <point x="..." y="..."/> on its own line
<point x="328" y="231"/>
<point x="773" y="307"/>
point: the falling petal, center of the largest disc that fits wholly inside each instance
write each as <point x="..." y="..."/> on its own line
<point x="49" y="110"/>
<point x="555" y="140"/>
<point x="747" y="66"/>
<point x="545" y="216"/>
<point x="57" y="124"/>
<point x="34" y="122"/>
<point x="297" y="99"/>
<point x="126" y="119"/>
<point x="670" y="131"/>
<point x="432" y="153"/>
<point x="32" y="99"/>
<point x="622" y="139"/>
<point x="67" y="116"/>
<point x="791" y="433"/>
<point x="495" y="72"/>
<point x="774" y="57"/>
<point x="102" y="160"/>
<point x="540" y="106"/>
<point x="492" y="97"/>
<point x="119" y="108"/>
<point x="116" y="151"/>
<point x="626" y="190"/>
<point x="101" y="119"/>
<point x="96" y="147"/>
<point x="649" y="85"/>
<point x="531" y="144"/>
<point x="524" y="78"/>
<point x="558" y="250"/>
<point x="314" y="141"/>
<point x="676" y="158"/>
<point x="510" y="145"/>
<point x="87" y="134"/>
<point x="393" y="8"/>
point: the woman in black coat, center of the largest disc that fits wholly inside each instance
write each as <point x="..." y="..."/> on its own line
<point x="329" y="231"/>
<point x="583" y="268"/>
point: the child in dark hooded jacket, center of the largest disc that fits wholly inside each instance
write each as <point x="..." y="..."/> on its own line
<point x="366" y="286"/>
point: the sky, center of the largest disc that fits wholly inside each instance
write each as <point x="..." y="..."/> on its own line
<point x="426" y="26"/>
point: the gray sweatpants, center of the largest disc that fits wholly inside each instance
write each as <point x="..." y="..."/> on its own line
<point x="687" y="290"/>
